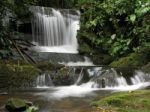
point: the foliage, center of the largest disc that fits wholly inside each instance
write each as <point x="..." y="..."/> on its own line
<point x="119" y="26"/>
<point x="58" y="3"/>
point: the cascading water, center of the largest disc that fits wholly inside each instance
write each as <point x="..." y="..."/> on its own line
<point x="54" y="33"/>
<point x="88" y="80"/>
<point x="44" y="80"/>
<point x="55" y="30"/>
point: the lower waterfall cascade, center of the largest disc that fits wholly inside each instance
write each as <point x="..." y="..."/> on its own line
<point x="99" y="79"/>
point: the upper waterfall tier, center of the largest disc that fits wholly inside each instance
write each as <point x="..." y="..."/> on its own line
<point x="55" y="30"/>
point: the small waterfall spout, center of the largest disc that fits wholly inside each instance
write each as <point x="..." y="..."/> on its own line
<point x="55" y="30"/>
<point x="44" y="80"/>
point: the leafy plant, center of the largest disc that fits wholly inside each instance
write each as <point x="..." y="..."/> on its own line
<point x="118" y="26"/>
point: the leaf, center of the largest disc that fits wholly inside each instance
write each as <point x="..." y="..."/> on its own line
<point x="142" y="11"/>
<point x="113" y="36"/>
<point x="132" y="18"/>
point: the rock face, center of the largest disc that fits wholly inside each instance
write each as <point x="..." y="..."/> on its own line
<point x="19" y="105"/>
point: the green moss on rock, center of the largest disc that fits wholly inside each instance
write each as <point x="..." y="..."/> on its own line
<point x="19" y="105"/>
<point x="146" y="68"/>
<point x="62" y="76"/>
<point x="137" y="101"/>
<point x="15" y="104"/>
<point x="14" y="76"/>
<point x="101" y="59"/>
<point x="133" y="60"/>
<point x="49" y="66"/>
<point x="130" y="60"/>
<point x="85" y="49"/>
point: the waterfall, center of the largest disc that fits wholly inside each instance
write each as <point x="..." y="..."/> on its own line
<point x="54" y="30"/>
<point x="98" y="77"/>
<point x="44" y="80"/>
<point x="90" y="80"/>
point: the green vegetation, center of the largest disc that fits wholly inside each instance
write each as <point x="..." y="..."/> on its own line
<point x="15" y="76"/>
<point x="48" y="66"/>
<point x="137" y="101"/>
<point x="115" y="27"/>
<point x="108" y="27"/>
<point x="136" y="59"/>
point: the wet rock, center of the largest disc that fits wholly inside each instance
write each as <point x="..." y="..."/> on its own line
<point x="29" y="103"/>
<point x="15" y="104"/>
<point x="20" y="105"/>
<point x="3" y="93"/>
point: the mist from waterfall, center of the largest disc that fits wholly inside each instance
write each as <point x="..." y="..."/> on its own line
<point x="55" y="30"/>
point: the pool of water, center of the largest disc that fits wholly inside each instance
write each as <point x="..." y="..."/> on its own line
<point x="52" y="100"/>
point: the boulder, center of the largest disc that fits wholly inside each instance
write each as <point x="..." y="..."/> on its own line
<point x="15" y="104"/>
<point x="19" y="105"/>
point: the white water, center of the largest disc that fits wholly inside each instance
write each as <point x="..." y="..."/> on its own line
<point x="119" y="83"/>
<point x="54" y="30"/>
<point x="44" y="81"/>
<point x="86" y="62"/>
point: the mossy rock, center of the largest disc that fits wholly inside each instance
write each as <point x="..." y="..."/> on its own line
<point x="146" y="68"/>
<point x="15" y="104"/>
<point x="63" y="71"/>
<point x="134" y="101"/>
<point x="62" y="76"/>
<point x="137" y="59"/>
<point x="101" y="59"/>
<point x="14" y="76"/>
<point x="49" y="66"/>
<point x="85" y="49"/>
<point x="20" y="105"/>
<point x="131" y="60"/>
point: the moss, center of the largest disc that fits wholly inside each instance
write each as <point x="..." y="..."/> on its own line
<point x="49" y="66"/>
<point x="19" y="105"/>
<point x="15" y="104"/>
<point x="13" y="76"/>
<point x="137" y="59"/>
<point x="131" y="60"/>
<point x="64" y="71"/>
<point x="101" y="59"/>
<point x="146" y="67"/>
<point x="85" y="49"/>
<point x="62" y="76"/>
<point x="137" y="101"/>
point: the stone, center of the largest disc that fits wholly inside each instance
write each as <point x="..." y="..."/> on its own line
<point x="16" y="104"/>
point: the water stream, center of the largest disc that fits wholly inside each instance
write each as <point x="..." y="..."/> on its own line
<point x="55" y="30"/>
<point x="87" y="83"/>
